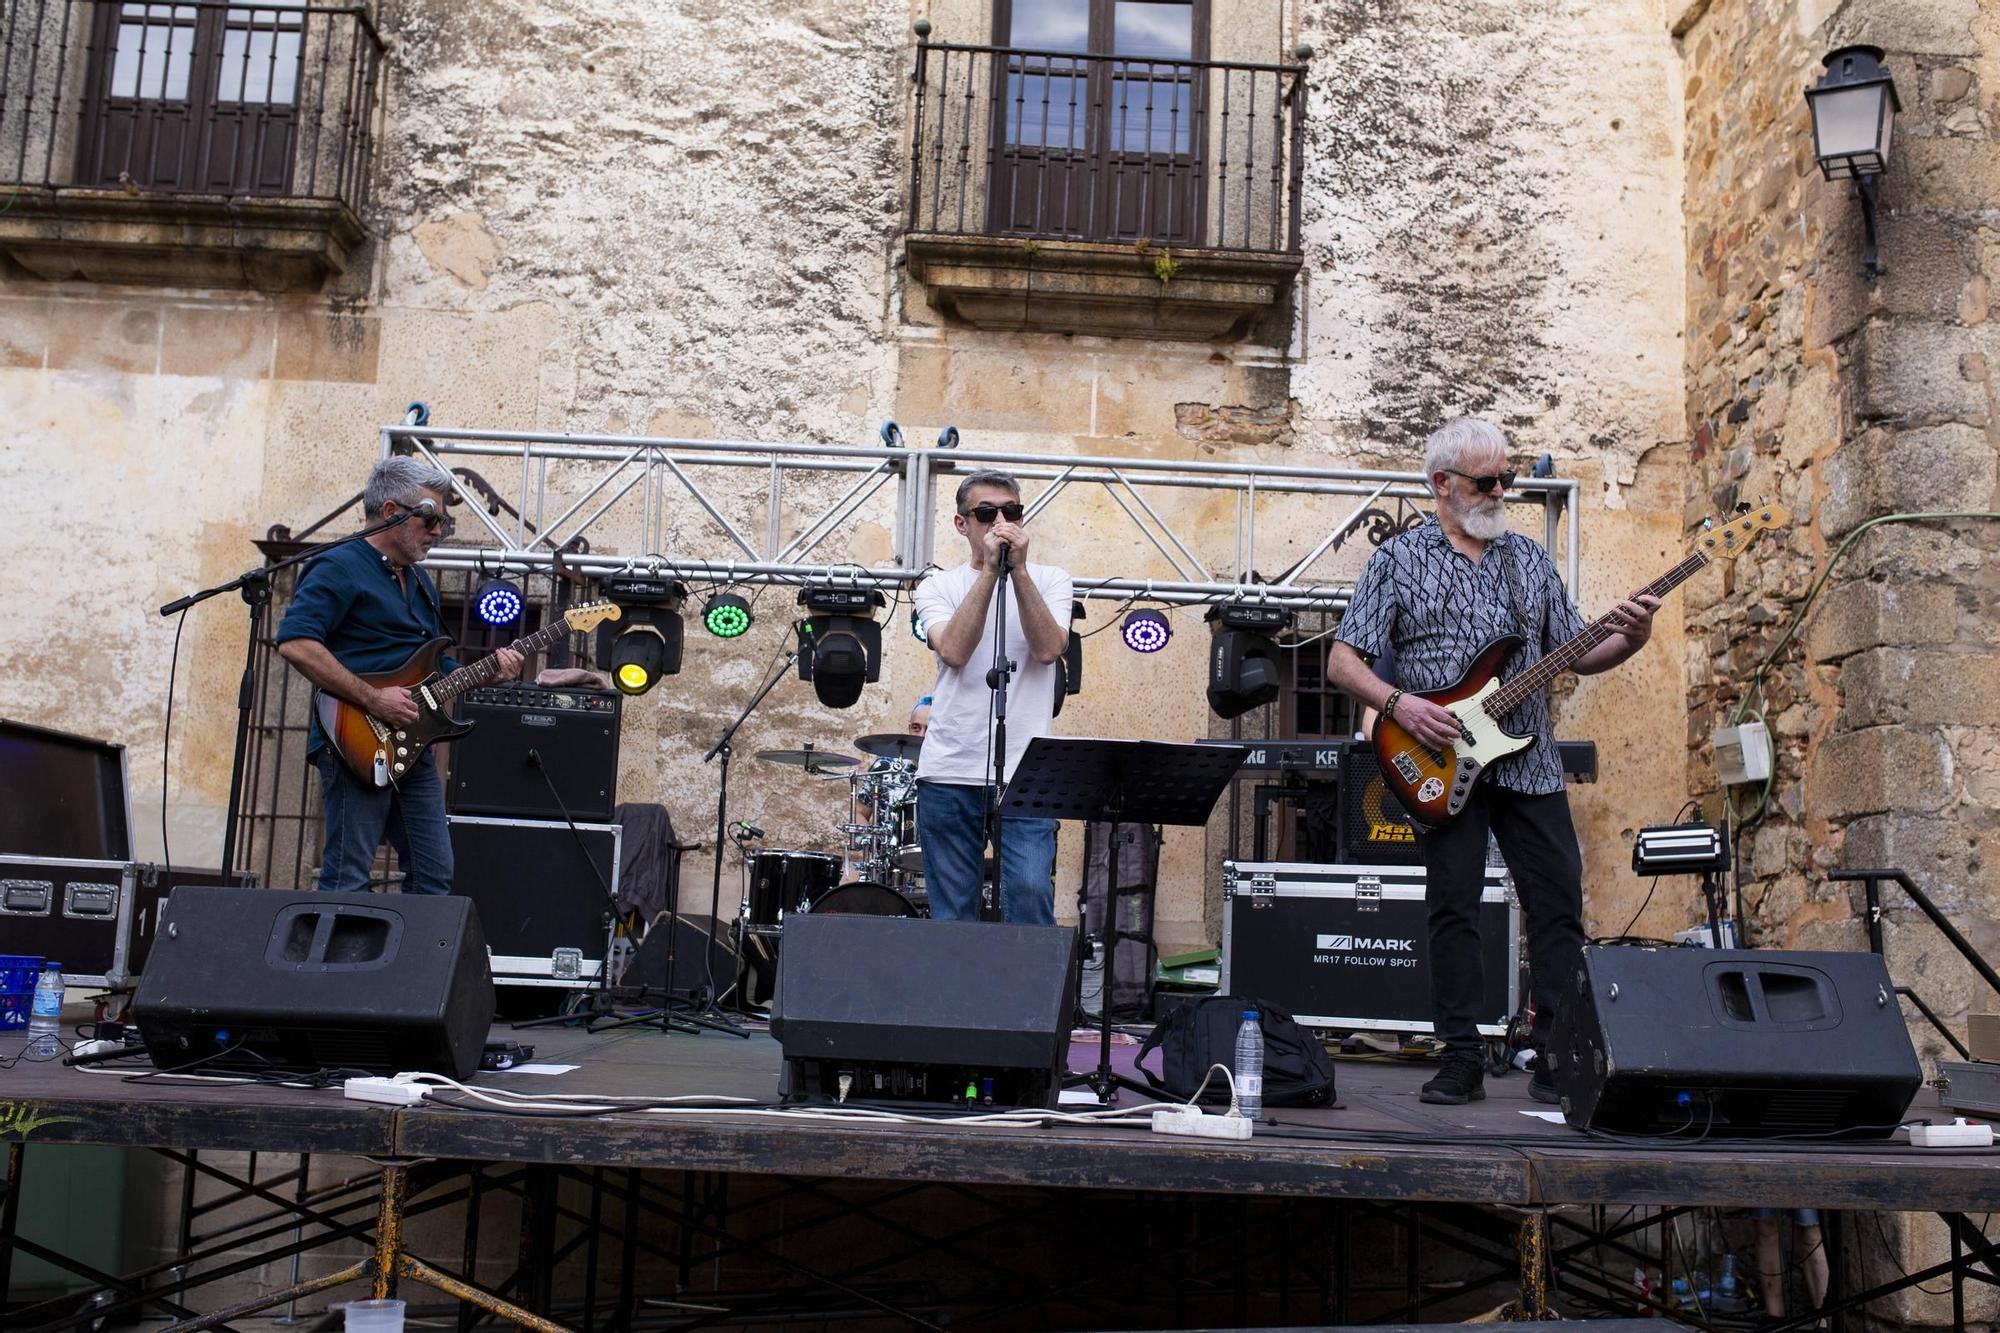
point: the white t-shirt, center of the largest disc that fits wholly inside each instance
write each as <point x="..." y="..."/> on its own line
<point x="957" y="743"/>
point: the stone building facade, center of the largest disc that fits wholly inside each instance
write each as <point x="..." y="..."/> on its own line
<point x="1597" y="224"/>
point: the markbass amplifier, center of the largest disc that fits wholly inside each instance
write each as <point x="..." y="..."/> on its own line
<point x="526" y="739"/>
<point x="1374" y="828"/>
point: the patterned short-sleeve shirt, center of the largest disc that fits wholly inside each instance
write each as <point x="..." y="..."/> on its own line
<point x="1423" y="597"/>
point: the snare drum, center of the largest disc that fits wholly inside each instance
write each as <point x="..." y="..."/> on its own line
<point x="786" y="881"/>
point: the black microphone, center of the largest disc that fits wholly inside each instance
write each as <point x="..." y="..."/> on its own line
<point x="1006" y="554"/>
<point x="748" y="830"/>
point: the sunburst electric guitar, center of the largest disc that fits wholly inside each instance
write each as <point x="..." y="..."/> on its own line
<point x="378" y="754"/>
<point x="1434" y="785"/>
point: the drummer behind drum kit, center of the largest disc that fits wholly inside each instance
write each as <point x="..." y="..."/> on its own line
<point x="880" y="839"/>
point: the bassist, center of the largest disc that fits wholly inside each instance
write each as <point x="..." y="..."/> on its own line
<point x="1436" y="595"/>
<point x="364" y="608"/>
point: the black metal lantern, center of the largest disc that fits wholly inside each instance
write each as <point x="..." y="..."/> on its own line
<point x="1854" y="111"/>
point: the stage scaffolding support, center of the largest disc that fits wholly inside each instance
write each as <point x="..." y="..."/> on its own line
<point x="710" y="540"/>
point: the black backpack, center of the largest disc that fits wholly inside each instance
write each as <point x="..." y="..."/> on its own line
<point x="1203" y="1033"/>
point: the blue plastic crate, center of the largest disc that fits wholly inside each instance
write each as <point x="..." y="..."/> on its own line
<point x="18" y="974"/>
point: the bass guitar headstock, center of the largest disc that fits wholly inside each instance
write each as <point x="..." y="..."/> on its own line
<point x="1726" y="540"/>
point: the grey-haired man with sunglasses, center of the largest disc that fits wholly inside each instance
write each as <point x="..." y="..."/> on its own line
<point x="955" y="771"/>
<point x="1436" y="595"/>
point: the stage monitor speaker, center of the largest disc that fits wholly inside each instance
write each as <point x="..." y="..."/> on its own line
<point x="913" y="1010"/>
<point x="1712" y="1043"/>
<point x="572" y="734"/>
<point x="256" y="979"/>
<point x="1374" y="827"/>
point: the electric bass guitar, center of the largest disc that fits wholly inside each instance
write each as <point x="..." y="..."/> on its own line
<point x="378" y="754"/>
<point x="1434" y="784"/>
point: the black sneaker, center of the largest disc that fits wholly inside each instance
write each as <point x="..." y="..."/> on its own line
<point x="1542" y="1087"/>
<point x="1461" y="1080"/>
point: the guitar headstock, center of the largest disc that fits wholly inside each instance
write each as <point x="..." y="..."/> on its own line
<point x="588" y="617"/>
<point x="1724" y="541"/>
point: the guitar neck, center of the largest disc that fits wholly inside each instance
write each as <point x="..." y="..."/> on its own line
<point x="482" y="671"/>
<point x="1522" y="687"/>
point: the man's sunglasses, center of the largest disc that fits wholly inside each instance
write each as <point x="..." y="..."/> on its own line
<point x="1485" y="485"/>
<point x="987" y="513"/>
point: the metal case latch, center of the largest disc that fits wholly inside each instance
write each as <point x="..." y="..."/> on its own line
<point x="566" y="964"/>
<point x="1263" y="884"/>
<point x="1368" y="893"/>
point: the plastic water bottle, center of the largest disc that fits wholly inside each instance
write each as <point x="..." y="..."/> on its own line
<point x="1249" y="1070"/>
<point x="45" y="1017"/>
<point x="1725" y="1279"/>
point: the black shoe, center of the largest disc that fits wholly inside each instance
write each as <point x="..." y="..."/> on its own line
<point x="1461" y="1080"/>
<point x="1542" y="1087"/>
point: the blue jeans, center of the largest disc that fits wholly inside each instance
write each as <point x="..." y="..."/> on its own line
<point x="951" y="828"/>
<point x="410" y="814"/>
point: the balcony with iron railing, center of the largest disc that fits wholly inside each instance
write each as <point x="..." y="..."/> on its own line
<point x="198" y="143"/>
<point x="1104" y="194"/>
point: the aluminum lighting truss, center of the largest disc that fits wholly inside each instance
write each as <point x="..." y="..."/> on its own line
<point x="712" y="547"/>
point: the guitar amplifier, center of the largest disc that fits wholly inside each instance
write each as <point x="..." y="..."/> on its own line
<point x="542" y="903"/>
<point x="1374" y="827"/>
<point x="571" y="733"/>
<point x="96" y="918"/>
<point x="1346" y="948"/>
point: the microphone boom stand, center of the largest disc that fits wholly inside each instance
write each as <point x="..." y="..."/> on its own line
<point x="706" y="1013"/>
<point x="255" y="586"/>
<point x="997" y="677"/>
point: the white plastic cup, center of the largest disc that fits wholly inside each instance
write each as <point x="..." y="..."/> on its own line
<point x="374" y="1317"/>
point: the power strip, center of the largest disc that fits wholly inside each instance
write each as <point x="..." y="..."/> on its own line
<point x="1191" y="1122"/>
<point x="1960" y="1133"/>
<point x="385" y="1091"/>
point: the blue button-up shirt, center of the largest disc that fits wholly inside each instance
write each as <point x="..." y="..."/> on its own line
<point x="349" y="600"/>
<point x="1425" y="599"/>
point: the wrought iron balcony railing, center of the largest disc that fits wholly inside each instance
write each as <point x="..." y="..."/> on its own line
<point x="1191" y="154"/>
<point x="194" y="98"/>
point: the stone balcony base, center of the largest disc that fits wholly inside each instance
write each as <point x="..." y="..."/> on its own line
<point x="268" y="244"/>
<point x="1055" y="286"/>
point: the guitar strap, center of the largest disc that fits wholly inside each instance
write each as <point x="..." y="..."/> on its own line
<point x="1516" y="597"/>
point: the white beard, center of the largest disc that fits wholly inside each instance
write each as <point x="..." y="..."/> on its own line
<point x="1486" y="522"/>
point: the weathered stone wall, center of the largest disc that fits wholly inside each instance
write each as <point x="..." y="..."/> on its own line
<point x="685" y="221"/>
<point x="1848" y="401"/>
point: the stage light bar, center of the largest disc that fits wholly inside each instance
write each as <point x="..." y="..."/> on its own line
<point x="1681" y="849"/>
<point x="726" y="616"/>
<point x="498" y="602"/>
<point x="1146" y="631"/>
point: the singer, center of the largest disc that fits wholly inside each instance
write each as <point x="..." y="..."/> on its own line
<point x="955" y="771"/>
<point x="366" y="607"/>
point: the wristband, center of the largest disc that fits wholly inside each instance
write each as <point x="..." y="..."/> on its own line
<point x="1389" y="707"/>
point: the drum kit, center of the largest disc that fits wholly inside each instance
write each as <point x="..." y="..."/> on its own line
<point x="878" y="873"/>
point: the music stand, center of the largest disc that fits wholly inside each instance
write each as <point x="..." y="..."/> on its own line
<point x="1118" y="782"/>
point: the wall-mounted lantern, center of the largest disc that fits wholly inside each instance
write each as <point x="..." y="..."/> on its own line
<point x="1854" y="111"/>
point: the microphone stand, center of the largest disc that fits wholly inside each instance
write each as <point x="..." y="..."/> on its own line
<point x="255" y="586"/>
<point x="997" y="677"/>
<point x="706" y="1013"/>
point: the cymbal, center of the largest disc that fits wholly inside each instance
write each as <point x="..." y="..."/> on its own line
<point x="890" y="745"/>
<point x="811" y="760"/>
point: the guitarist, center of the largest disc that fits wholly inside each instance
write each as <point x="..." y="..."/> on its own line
<point x="365" y="607"/>
<point x="1436" y="595"/>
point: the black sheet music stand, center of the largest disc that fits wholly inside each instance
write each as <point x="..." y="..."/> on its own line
<point x="1118" y="782"/>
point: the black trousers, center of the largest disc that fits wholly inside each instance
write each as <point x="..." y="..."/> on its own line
<point x="1539" y="843"/>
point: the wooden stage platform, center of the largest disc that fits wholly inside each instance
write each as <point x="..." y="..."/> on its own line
<point x="1381" y="1143"/>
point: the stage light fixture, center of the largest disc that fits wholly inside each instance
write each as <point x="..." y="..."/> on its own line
<point x="840" y="643"/>
<point x="727" y="616"/>
<point x="1243" y="667"/>
<point x="1069" y="667"/>
<point x="1146" y="631"/>
<point x="645" y="643"/>
<point x="498" y="602"/>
